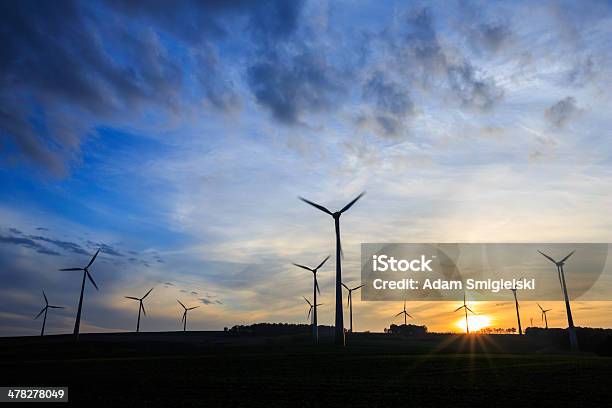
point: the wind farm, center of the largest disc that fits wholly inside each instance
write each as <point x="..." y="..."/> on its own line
<point x="207" y="163"/>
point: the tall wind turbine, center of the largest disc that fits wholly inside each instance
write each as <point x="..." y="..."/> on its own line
<point x="312" y="306"/>
<point x="86" y="273"/>
<point x="405" y="313"/>
<point x="518" y="316"/>
<point x="350" y="302"/>
<point x="466" y="308"/>
<point x="570" y="320"/>
<point x="140" y="307"/>
<point x="184" y="318"/>
<point x="339" y="323"/>
<point x="544" y="318"/>
<point x="44" y="310"/>
<point x="315" y="289"/>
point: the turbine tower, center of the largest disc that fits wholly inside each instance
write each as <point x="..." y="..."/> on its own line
<point x="466" y="308"/>
<point x="44" y="310"/>
<point x="312" y="306"/>
<point x="518" y="316"/>
<point x="184" y="318"/>
<point x="140" y="307"/>
<point x="86" y="273"/>
<point x="570" y="321"/>
<point x="315" y="289"/>
<point x="350" y="302"/>
<point x="405" y="313"/>
<point x="544" y="318"/>
<point x="339" y="323"/>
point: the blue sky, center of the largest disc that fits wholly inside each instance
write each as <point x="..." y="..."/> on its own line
<point x="177" y="136"/>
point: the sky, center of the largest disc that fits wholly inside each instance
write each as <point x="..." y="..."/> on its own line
<point x="177" y="136"/>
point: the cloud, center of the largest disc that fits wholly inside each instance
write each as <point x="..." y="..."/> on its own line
<point x="68" y="67"/>
<point x="28" y="243"/>
<point x="491" y="36"/>
<point x="291" y="86"/>
<point x="562" y="112"/>
<point x="393" y="104"/>
<point x="65" y="245"/>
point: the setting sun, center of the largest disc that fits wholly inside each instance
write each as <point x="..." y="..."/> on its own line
<point x="476" y="322"/>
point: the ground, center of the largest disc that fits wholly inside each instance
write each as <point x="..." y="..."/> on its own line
<point x="217" y="369"/>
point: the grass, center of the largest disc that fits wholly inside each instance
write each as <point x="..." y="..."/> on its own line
<point x="290" y="373"/>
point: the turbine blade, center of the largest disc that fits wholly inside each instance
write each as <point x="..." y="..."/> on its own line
<point x="131" y="297"/>
<point x="45" y="296"/>
<point x="409" y="316"/>
<point x="349" y="205"/>
<point x="71" y="269"/>
<point x="470" y="310"/>
<point x="181" y="304"/>
<point x="317" y="285"/>
<point x="540" y="307"/>
<point x="184" y="316"/>
<point x="565" y="259"/>
<point x="41" y="312"/>
<point x="143" y="309"/>
<point x="547" y="310"/>
<point x="56" y="307"/>
<point x="322" y="263"/>
<point x="345" y="287"/>
<point x="320" y="304"/>
<point x="320" y="207"/>
<point x="348" y="299"/>
<point x="303" y="267"/>
<point x="399" y="314"/>
<point x="309" y="311"/>
<point x="195" y="307"/>
<point x="548" y="257"/>
<point x="359" y="287"/>
<point x="459" y="308"/>
<point x="147" y="293"/>
<point x="307" y="301"/>
<point x="93" y="259"/>
<point x="91" y="279"/>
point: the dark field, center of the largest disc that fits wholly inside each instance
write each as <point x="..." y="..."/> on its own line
<point x="216" y="369"/>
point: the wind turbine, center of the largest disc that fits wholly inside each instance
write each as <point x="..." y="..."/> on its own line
<point x="184" y="318"/>
<point x="339" y="323"/>
<point x="315" y="327"/>
<point x="405" y="313"/>
<point x="140" y="307"/>
<point x="350" y="302"/>
<point x="518" y="316"/>
<point x="86" y="273"/>
<point x="44" y="310"/>
<point x="312" y="306"/>
<point x="465" y="306"/>
<point x="570" y="321"/>
<point x="544" y="318"/>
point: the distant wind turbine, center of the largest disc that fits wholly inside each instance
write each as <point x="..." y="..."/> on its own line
<point x="570" y="321"/>
<point x="405" y="313"/>
<point x="86" y="273"/>
<point x="315" y="289"/>
<point x="466" y="308"/>
<point x="339" y="323"/>
<point x="350" y="302"/>
<point x="518" y="316"/>
<point x="312" y="306"/>
<point x="140" y="307"/>
<point x="184" y="318"/>
<point x="544" y="318"/>
<point x="44" y="310"/>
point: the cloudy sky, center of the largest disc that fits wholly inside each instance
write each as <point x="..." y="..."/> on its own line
<point x="176" y="136"/>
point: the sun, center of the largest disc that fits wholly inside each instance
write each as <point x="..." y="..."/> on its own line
<point x="476" y="322"/>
